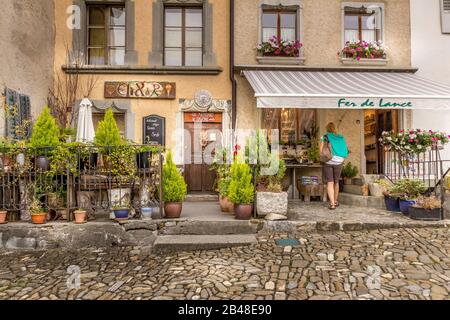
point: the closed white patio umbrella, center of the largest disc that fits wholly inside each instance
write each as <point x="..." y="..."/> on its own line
<point x="85" y="127"/>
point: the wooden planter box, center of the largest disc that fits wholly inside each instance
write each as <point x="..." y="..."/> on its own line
<point x="423" y="214"/>
<point x="280" y="60"/>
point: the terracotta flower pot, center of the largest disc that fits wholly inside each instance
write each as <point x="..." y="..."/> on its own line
<point x="39" y="218"/>
<point x="173" y="209"/>
<point x="347" y="181"/>
<point x="225" y="204"/>
<point x="243" y="211"/>
<point x="3" y="215"/>
<point x="80" y="216"/>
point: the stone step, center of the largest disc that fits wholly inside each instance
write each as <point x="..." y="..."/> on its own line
<point x="362" y="201"/>
<point x="174" y="243"/>
<point x="353" y="189"/>
<point x="212" y="228"/>
<point x="201" y="197"/>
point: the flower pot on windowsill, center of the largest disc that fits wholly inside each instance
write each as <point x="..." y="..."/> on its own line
<point x="280" y="60"/>
<point x="376" y="62"/>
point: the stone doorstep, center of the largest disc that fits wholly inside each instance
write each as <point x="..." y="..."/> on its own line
<point x="173" y="243"/>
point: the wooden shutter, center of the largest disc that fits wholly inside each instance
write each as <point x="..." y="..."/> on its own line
<point x="18" y="111"/>
<point x="445" y="16"/>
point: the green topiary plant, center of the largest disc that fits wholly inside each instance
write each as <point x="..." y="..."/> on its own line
<point x="349" y="171"/>
<point x="174" y="186"/>
<point x="108" y="133"/>
<point x="241" y="189"/>
<point x="45" y="132"/>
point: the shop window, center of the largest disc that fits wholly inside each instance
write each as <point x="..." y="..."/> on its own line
<point x="106" y="34"/>
<point x="183" y="36"/>
<point x="279" y="22"/>
<point x="119" y="117"/>
<point x="295" y="126"/>
<point x="363" y="23"/>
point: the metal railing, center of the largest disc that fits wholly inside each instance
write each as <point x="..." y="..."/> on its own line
<point x="427" y="167"/>
<point x="63" y="179"/>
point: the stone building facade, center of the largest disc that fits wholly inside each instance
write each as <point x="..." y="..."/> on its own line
<point x="27" y="49"/>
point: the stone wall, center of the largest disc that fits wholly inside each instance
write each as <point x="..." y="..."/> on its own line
<point x="27" y="49"/>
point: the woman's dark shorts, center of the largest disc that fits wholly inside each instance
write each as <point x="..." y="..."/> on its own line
<point x="331" y="173"/>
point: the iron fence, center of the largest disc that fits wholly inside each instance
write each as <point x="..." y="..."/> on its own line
<point x="65" y="178"/>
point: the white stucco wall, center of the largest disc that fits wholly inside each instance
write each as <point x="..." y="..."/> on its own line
<point x="431" y="54"/>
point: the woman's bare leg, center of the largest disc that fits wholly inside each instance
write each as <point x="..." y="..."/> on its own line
<point x="330" y="191"/>
<point x="336" y="192"/>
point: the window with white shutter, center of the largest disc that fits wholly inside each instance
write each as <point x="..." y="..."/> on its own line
<point x="445" y="16"/>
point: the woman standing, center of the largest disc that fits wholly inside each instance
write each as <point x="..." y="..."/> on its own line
<point x="332" y="169"/>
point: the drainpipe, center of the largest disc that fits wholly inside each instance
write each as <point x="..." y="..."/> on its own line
<point x="232" y="78"/>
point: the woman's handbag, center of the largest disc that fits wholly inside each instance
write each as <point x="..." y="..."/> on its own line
<point x="326" y="154"/>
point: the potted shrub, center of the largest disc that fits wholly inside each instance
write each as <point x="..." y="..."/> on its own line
<point x="174" y="189"/>
<point x="349" y="171"/>
<point x="391" y="199"/>
<point x="3" y="216"/>
<point x="44" y="138"/>
<point x="225" y="204"/>
<point x="241" y="190"/>
<point x="270" y="197"/>
<point x="426" y="208"/>
<point x="80" y="216"/>
<point x="409" y="191"/>
<point x="38" y="214"/>
<point x="121" y="211"/>
<point x="107" y="137"/>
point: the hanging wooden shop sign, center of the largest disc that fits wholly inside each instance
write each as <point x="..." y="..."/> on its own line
<point x="140" y="89"/>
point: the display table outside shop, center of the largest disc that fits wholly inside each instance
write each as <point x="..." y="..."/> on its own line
<point x="293" y="167"/>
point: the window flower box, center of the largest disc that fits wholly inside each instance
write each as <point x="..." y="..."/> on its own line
<point x="363" y="53"/>
<point x="277" y="51"/>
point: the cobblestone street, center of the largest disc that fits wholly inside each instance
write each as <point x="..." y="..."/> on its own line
<point x="389" y="264"/>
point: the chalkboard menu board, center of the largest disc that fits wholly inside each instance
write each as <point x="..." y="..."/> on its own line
<point x="154" y="130"/>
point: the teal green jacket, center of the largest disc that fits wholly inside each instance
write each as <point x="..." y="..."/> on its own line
<point x="338" y="145"/>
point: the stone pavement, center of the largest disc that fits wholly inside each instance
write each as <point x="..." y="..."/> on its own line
<point x="384" y="264"/>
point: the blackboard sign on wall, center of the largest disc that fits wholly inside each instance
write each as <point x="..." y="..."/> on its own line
<point x="154" y="130"/>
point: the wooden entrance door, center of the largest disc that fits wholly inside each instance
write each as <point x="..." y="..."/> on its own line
<point x="387" y="120"/>
<point x="203" y="135"/>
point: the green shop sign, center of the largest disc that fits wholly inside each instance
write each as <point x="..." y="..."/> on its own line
<point x="374" y="104"/>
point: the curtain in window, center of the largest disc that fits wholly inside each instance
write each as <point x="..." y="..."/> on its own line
<point x="269" y="33"/>
<point x="288" y="34"/>
<point x="351" y="35"/>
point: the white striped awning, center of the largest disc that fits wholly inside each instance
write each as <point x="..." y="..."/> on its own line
<point x="346" y="90"/>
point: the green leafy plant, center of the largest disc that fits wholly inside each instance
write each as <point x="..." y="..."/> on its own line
<point x="313" y="152"/>
<point x="122" y="162"/>
<point x="407" y="189"/>
<point x="108" y="133"/>
<point x="45" y="132"/>
<point x="241" y="189"/>
<point x="36" y="207"/>
<point x="174" y="186"/>
<point x="349" y="171"/>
